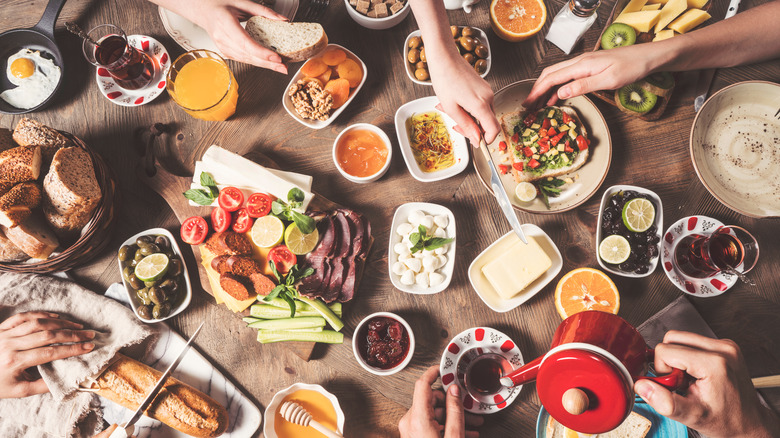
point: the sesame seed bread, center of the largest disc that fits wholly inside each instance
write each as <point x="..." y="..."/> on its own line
<point x="20" y="164"/>
<point x="17" y="204"/>
<point x="635" y="426"/>
<point x="70" y="188"/>
<point x="293" y="41"/>
<point x="29" y="132"/>
<point x="10" y="252"/>
<point x="33" y="236"/>
<point x="6" y="140"/>
<point x="66" y="226"/>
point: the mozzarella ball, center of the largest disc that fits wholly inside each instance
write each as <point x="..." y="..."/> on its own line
<point x="427" y="252"/>
<point x="407" y="278"/>
<point x="427" y="222"/>
<point x="429" y="263"/>
<point x="441" y="220"/>
<point x="416" y="217"/>
<point x="401" y="248"/>
<point x="413" y="264"/>
<point x="441" y="251"/>
<point x="404" y="257"/>
<point x="435" y="279"/>
<point x="404" y="229"/>
<point x="439" y="232"/>
<point x="399" y="268"/>
<point x="421" y="279"/>
<point x="442" y="260"/>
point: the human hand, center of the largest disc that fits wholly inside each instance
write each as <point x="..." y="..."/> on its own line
<point x="107" y="433"/>
<point x="428" y="419"/>
<point x="722" y="401"/>
<point x="28" y="340"/>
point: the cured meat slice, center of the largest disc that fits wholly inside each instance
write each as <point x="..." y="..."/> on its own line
<point x="343" y="234"/>
<point x="358" y="230"/>
<point x="328" y="239"/>
<point x="348" y="287"/>
<point x="333" y="290"/>
<point x="312" y="286"/>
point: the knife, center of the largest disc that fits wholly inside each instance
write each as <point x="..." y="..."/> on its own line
<point x="125" y="430"/>
<point x="500" y="192"/>
<point x="705" y="76"/>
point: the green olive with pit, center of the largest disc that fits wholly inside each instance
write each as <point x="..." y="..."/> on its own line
<point x="481" y="51"/>
<point x="151" y="283"/>
<point x="143" y="295"/>
<point x="145" y="311"/>
<point x="413" y="56"/>
<point x="455" y="31"/>
<point x="132" y="263"/>
<point x="175" y="267"/>
<point x="161" y="310"/>
<point x="149" y="249"/>
<point x="158" y="295"/>
<point x="170" y="285"/>
<point x="134" y="282"/>
<point x="127" y="272"/>
<point x="421" y="74"/>
<point x="480" y="66"/>
<point x="143" y="239"/>
<point x="415" y="42"/>
<point x="468" y="31"/>
<point x="470" y="58"/>
<point x="125" y="253"/>
<point x="468" y="43"/>
<point x="138" y="255"/>
<point x="162" y="242"/>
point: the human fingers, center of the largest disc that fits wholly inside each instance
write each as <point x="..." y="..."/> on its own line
<point x="724" y="346"/>
<point x="696" y="362"/>
<point x="258" y="9"/>
<point x="21" y="318"/>
<point x="107" y="433"/>
<point x="669" y="404"/>
<point x="42" y="355"/>
<point x="439" y="414"/>
<point x="49" y="337"/>
<point x="41" y="324"/>
<point x="26" y="389"/>
<point x="423" y="394"/>
<point x="455" y="425"/>
<point x="235" y="43"/>
<point x="473" y="420"/>
<point x="438" y="398"/>
<point x="466" y="124"/>
<point x="484" y="114"/>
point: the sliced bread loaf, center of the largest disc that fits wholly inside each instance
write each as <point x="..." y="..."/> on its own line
<point x="17" y="204"/>
<point x="10" y="252"/>
<point x="70" y="188"/>
<point x="29" y="132"/>
<point x="293" y="41"/>
<point x="33" y="237"/>
<point x="635" y="426"/>
<point x="20" y="164"/>
<point x="66" y="226"/>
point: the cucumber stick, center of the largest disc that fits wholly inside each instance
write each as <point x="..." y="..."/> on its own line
<point x="282" y="304"/>
<point x="266" y="311"/>
<point x="325" y="336"/>
<point x="305" y="322"/>
<point x="324" y="310"/>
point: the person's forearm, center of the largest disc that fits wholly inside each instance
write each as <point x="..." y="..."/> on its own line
<point x="435" y="29"/>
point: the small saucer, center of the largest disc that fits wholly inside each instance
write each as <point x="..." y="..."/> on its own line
<point x="487" y="340"/>
<point x="162" y="63"/>
<point x="700" y="287"/>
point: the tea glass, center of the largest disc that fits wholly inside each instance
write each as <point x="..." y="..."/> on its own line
<point x="482" y="388"/>
<point x="203" y="85"/>
<point x="729" y="249"/>
<point x="107" y="47"/>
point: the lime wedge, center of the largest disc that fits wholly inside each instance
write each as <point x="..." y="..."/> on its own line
<point x="152" y="267"/>
<point x="299" y="243"/>
<point x="267" y="231"/>
<point x="614" y="249"/>
<point x="525" y="191"/>
<point x="638" y="214"/>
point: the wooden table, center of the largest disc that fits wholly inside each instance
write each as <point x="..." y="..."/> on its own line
<point x="652" y="155"/>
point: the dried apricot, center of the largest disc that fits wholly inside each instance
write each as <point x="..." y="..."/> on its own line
<point x="325" y="77"/>
<point x="339" y="89"/>
<point x="334" y="56"/>
<point x="314" y="67"/>
<point x="351" y="71"/>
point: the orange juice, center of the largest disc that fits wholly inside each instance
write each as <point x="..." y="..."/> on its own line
<point x="320" y="408"/>
<point x="361" y="153"/>
<point x="203" y="85"/>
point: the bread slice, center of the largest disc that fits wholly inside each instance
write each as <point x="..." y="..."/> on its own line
<point x="29" y="132"/>
<point x="635" y="426"/>
<point x="10" y="252"/>
<point x="20" y="164"/>
<point x="33" y="237"/>
<point x="293" y="41"/>
<point x="16" y="205"/>
<point x="71" y="188"/>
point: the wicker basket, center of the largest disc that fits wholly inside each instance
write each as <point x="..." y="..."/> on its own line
<point x="95" y="235"/>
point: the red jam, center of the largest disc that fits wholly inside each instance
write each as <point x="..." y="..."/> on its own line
<point x="383" y="342"/>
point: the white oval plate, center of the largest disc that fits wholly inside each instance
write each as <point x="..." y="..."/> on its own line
<point x="483" y="39"/>
<point x="270" y="411"/>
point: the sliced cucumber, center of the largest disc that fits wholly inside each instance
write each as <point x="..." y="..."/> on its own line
<point x="325" y="336"/>
<point x="305" y="322"/>
<point x="325" y="311"/>
<point x="300" y="306"/>
<point x="265" y="311"/>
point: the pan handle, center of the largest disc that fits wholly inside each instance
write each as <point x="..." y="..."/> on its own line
<point x="49" y="18"/>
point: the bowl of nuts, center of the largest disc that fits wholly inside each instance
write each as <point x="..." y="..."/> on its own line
<point x="472" y="45"/>
<point x="377" y="14"/>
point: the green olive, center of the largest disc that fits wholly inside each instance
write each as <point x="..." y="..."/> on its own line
<point x="143" y="239"/>
<point x="149" y="249"/>
<point x="138" y="256"/>
<point x="413" y="56"/>
<point x="125" y="253"/>
<point x="455" y="31"/>
<point x="421" y="74"/>
<point x="162" y="242"/>
<point x="481" y="51"/>
<point x="169" y="285"/>
<point x="468" y="31"/>
<point x="144" y="312"/>
<point x="161" y="310"/>
<point x="481" y="66"/>
<point x="422" y="55"/>
<point x="143" y="295"/>
<point x="468" y="43"/>
<point x="151" y="283"/>
<point x="135" y="283"/>
<point x="420" y="65"/>
<point x="470" y="58"/>
<point x="127" y="272"/>
<point x="157" y="295"/>
<point x="415" y="42"/>
<point x="132" y="263"/>
<point x="175" y="268"/>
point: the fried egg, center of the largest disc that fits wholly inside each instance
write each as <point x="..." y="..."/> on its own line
<point x="35" y="78"/>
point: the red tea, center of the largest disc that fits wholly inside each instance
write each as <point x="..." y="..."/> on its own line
<point x="701" y="257"/>
<point x="483" y="375"/>
<point x="131" y="68"/>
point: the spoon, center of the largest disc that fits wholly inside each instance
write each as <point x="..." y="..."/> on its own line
<point x="75" y="29"/>
<point x="745" y="279"/>
<point x="296" y="414"/>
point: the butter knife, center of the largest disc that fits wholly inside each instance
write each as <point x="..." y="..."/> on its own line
<point x="500" y="192"/>
<point x="705" y="76"/>
<point x="126" y="429"/>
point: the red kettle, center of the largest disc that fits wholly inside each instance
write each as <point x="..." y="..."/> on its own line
<point x="586" y="380"/>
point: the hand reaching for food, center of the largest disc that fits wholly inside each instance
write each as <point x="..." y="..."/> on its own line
<point x="34" y="338"/>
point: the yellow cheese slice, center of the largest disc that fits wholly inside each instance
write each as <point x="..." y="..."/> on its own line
<point x="669" y="12"/>
<point x="664" y="35"/>
<point x="641" y="21"/>
<point x="653" y="7"/>
<point x="660" y="2"/>
<point x="633" y="6"/>
<point x="689" y="20"/>
<point x="515" y="269"/>
<point x="696" y="3"/>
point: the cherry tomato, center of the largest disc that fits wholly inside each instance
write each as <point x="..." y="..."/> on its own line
<point x="220" y="219"/>
<point x="527" y="151"/>
<point x="282" y="258"/>
<point x="516" y="138"/>
<point x="582" y="144"/>
<point x="518" y="166"/>
<point x="503" y="168"/>
<point x="533" y="164"/>
<point x="502" y="146"/>
<point x="231" y="198"/>
<point x="545" y="124"/>
<point x="194" y="230"/>
<point x="567" y="118"/>
<point x="242" y="222"/>
<point x="258" y="204"/>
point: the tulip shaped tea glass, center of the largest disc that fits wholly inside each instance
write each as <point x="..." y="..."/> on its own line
<point x="729" y="249"/>
<point x="107" y="47"/>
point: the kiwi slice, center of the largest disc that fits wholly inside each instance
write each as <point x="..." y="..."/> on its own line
<point x="618" y="35"/>
<point x="634" y="99"/>
<point x="660" y="83"/>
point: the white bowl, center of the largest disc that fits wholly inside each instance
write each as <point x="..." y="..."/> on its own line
<point x="377" y="23"/>
<point x="131" y="296"/>
<point x="459" y="145"/>
<point x="270" y="411"/>
<point x="385" y="139"/>
<point x="486" y="291"/>
<point x="379" y="371"/>
<point x="659" y="220"/>
<point x="482" y="39"/>
<point x="319" y="124"/>
<point x="401" y="216"/>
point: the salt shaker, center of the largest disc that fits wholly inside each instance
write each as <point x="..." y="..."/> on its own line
<point x="571" y="23"/>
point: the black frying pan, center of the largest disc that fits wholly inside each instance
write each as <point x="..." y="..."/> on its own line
<point x="39" y="37"/>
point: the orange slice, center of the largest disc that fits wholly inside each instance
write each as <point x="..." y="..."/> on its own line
<point x="517" y="20"/>
<point x="586" y="289"/>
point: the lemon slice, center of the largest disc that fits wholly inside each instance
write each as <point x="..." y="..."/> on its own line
<point x="152" y="267"/>
<point x="614" y="249"/>
<point x="298" y="242"/>
<point x="638" y="214"/>
<point x="525" y="191"/>
<point x="267" y="231"/>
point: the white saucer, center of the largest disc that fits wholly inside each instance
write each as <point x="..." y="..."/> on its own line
<point x="142" y="96"/>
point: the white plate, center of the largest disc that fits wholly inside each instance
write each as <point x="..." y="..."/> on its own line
<point x="659" y="222"/>
<point x="401" y="216"/>
<point x="483" y="39"/>
<point x="123" y="97"/>
<point x="270" y="411"/>
<point x="134" y="302"/>
<point x="319" y="124"/>
<point x="190" y="36"/>
<point x="459" y="145"/>
<point x="486" y="291"/>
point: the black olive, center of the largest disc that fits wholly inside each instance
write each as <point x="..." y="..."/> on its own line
<point x="144" y="312"/>
<point x="162" y="242"/>
<point x="125" y="253"/>
<point x="480" y="66"/>
<point x="161" y="310"/>
<point x="135" y="283"/>
<point x="143" y="295"/>
<point x="143" y="239"/>
<point x="170" y="285"/>
<point x="175" y="267"/>
<point x="157" y="295"/>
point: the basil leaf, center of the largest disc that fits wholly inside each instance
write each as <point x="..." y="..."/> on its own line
<point x="198" y="196"/>
<point x="417" y="247"/>
<point x="437" y="242"/>
<point x="291" y="302"/>
<point x="414" y="238"/>
<point x="306" y="273"/>
<point x="275" y="272"/>
<point x="295" y="195"/>
<point x="303" y="222"/>
<point x="277" y="207"/>
<point x="423" y="231"/>
<point x="206" y="180"/>
<point x="274" y="293"/>
<point x="214" y="191"/>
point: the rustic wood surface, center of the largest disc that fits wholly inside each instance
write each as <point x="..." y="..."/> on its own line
<point x="649" y="154"/>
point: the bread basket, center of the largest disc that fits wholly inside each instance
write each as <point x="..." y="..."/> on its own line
<point x="94" y="236"/>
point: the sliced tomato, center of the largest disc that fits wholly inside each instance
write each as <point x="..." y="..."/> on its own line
<point x="194" y="230"/>
<point x="527" y="151"/>
<point x="543" y="148"/>
<point x="242" y="222"/>
<point x="567" y="147"/>
<point x="231" y="198"/>
<point x="220" y="219"/>
<point x="516" y="138"/>
<point x="552" y="132"/>
<point x="282" y="258"/>
<point x="529" y="119"/>
<point x="566" y="118"/>
<point x="543" y="132"/>
<point x="502" y="146"/>
<point x="582" y="144"/>
<point x="533" y="164"/>
<point x="546" y="123"/>
<point x="518" y="166"/>
<point x="554" y="141"/>
<point x="503" y="168"/>
<point x="259" y="204"/>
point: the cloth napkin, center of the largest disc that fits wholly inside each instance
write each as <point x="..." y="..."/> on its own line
<point x="56" y="414"/>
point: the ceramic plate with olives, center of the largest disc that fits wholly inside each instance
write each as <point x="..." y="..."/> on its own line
<point x="154" y="275"/>
<point x="472" y="44"/>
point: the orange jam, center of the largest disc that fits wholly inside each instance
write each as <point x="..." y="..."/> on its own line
<point x="361" y="153"/>
<point x="320" y="408"/>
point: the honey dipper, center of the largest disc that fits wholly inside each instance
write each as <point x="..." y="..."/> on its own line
<point x="296" y="414"/>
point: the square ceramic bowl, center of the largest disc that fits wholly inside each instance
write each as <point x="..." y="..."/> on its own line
<point x="385" y="139"/>
<point x="401" y="216"/>
<point x="459" y="146"/>
<point x="131" y="296"/>
<point x="269" y="431"/>
<point x="659" y="220"/>
<point x="319" y="124"/>
<point x="379" y="371"/>
<point x="486" y="291"/>
<point x="409" y="72"/>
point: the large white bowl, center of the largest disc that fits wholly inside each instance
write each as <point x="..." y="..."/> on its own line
<point x="377" y="23"/>
<point x="270" y="411"/>
<point x="482" y="39"/>
<point x="379" y="371"/>
<point x="385" y="140"/>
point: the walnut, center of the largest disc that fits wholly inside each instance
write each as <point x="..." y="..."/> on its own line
<point x="310" y="100"/>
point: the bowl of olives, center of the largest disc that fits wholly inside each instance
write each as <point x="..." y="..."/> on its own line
<point x="472" y="45"/>
<point x="154" y="275"/>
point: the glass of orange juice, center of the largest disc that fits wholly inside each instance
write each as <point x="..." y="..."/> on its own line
<point x="201" y="82"/>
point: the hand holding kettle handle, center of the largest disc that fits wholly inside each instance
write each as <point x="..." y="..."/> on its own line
<point x="671" y="381"/>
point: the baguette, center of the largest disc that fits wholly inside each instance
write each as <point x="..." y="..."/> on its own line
<point x="17" y="204"/>
<point x="178" y="405"/>
<point x="292" y="41"/>
<point x="29" y="132"/>
<point x="20" y="164"/>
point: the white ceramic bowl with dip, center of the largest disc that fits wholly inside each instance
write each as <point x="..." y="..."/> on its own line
<point x="487" y="292"/>
<point x="377" y="23"/>
<point x="379" y="371"/>
<point x="385" y="140"/>
<point x="483" y="39"/>
<point x="270" y="412"/>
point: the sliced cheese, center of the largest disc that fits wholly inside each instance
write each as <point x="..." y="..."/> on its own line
<point x="512" y="271"/>
<point x="653" y="7"/>
<point x="633" y="6"/>
<point x="669" y="12"/>
<point x="696" y="3"/>
<point x="661" y="2"/>
<point x="664" y="35"/>
<point x="641" y="21"/>
<point x="220" y="296"/>
<point x="689" y="20"/>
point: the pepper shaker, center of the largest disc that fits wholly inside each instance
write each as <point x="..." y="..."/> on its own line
<point x="571" y="23"/>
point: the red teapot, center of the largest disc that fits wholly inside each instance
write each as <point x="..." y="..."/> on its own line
<point x="586" y="380"/>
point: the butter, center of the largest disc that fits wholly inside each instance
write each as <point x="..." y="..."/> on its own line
<point x="513" y="270"/>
